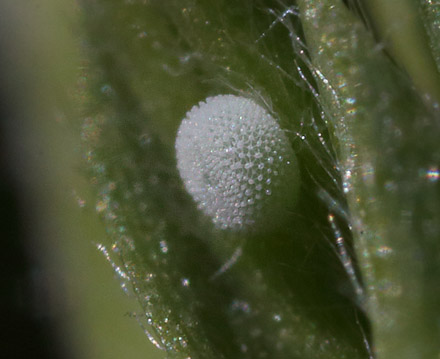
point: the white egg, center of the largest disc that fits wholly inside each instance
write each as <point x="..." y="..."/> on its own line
<point x="237" y="163"/>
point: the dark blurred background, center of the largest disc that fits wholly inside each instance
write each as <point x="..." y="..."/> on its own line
<point x="59" y="297"/>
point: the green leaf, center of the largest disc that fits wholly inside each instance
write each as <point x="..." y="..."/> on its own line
<point x="389" y="156"/>
<point x="206" y="293"/>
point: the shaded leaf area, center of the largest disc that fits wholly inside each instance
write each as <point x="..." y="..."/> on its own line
<point x="389" y="154"/>
<point x="206" y="293"/>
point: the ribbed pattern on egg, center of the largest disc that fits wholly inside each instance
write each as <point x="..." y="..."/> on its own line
<point x="233" y="158"/>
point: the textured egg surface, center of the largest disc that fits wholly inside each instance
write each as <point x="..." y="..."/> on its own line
<point x="235" y="160"/>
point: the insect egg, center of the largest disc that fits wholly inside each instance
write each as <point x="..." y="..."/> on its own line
<point x="237" y="163"/>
